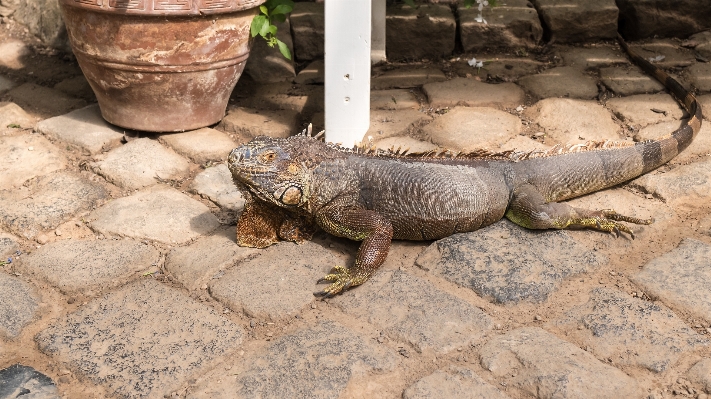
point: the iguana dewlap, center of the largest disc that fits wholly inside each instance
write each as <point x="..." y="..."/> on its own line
<point x="297" y="184"/>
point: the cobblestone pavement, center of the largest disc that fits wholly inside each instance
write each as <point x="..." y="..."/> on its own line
<point x="120" y="274"/>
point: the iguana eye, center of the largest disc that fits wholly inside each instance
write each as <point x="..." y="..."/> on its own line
<point x="268" y="157"/>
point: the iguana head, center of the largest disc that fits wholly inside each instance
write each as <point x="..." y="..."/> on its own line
<point x="278" y="171"/>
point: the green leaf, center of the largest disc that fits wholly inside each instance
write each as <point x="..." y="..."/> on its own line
<point x="410" y="3"/>
<point x="284" y="49"/>
<point x="257" y="24"/>
<point x="265" y="29"/>
<point x="468" y="3"/>
<point x="13" y="126"/>
<point x="282" y="9"/>
<point x="264" y="10"/>
<point x="278" y="18"/>
<point x="272" y="30"/>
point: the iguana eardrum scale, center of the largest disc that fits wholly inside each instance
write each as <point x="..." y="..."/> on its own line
<point x="297" y="184"/>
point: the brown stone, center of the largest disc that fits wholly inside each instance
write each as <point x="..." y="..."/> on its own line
<point x="511" y="25"/>
<point x="571" y="21"/>
<point x="427" y="31"/>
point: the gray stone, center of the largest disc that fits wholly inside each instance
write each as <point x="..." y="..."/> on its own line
<point x="700" y="42"/>
<point x="637" y="110"/>
<point x="8" y="246"/>
<point x="672" y="55"/>
<point x="144" y="340"/>
<point x="700" y="76"/>
<point x="43" y="19"/>
<point x="250" y="123"/>
<point x="456" y="382"/>
<point x="266" y="64"/>
<point x="405" y="143"/>
<point x="680" y="278"/>
<point x="318" y="362"/>
<point x="88" y="266"/>
<point x="700" y="374"/>
<point x="630" y="331"/>
<point x="473" y="93"/>
<point x="514" y="24"/>
<point x="49" y="102"/>
<point x="689" y="184"/>
<point x="157" y="213"/>
<point x="393" y="99"/>
<point x="78" y="87"/>
<point x="626" y="82"/>
<point x="560" y="82"/>
<point x="307" y="26"/>
<point x="312" y="74"/>
<point x="279" y="282"/>
<point x="84" y="128"/>
<point x="571" y="21"/>
<point x="508" y="264"/>
<point x="507" y="68"/>
<point x="201" y="146"/>
<point x="18" y="305"/>
<point x="640" y="19"/>
<point x="48" y="202"/>
<point x="13" y="117"/>
<point x="140" y="163"/>
<point x="593" y="57"/>
<point x="283" y="97"/>
<point x="13" y="53"/>
<point x="405" y="78"/>
<point x="196" y="264"/>
<point x="468" y="129"/>
<point x="568" y="121"/>
<point x="18" y="381"/>
<point x="215" y="183"/>
<point x="27" y="156"/>
<point x="6" y="84"/>
<point x="544" y="366"/>
<point x="385" y="123"/>
<point x="413" y="310"/>
<point x="424" y="32"/>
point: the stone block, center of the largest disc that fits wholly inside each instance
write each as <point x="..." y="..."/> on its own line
<point x="201" y="146"/>
<point x="44" y="20"/>
<point x="568" y="121"/>
<point x="157" y="213"/>
<point x="8" y="245"/>
<point x="700" y="374"/>
<point x="427" y="31"/>
<point x="19" y="381"/>
<point x="312" y="74"/>
<point x="393" y="99"/>
<point x="13" y="117"/>
<point x="320" y="361"/>
<point x="508" y="264"/>
<point x="307" y="25"/>
<point x="688" y="184"/>
<point x="641" y="19"/>
<point x="405" y="143"/>
<point x="140" y="163"/>
<point x="665" y="53"/>
<point x="84" y="128"/>
<point x="46" y="101"/>
<point x="593" y="57"/>
<point x="626" y="82"/>
<point x="89" y="266"/>
<point x="19" y="303"/>
<point x="48" y="202"/>
<point x="468" y="129"/>
<point x="384" y="123"/>
<point x="629" y="331"/>
<point x="405" y="78"/>
<point x="142" y="341"/>
<point x="700" y="76"/>
<point x="560" y="82"/>
<point x="27" y="156"/>
<point x="679" y="278"/>
<point x="514" y="24"/>
<point x="413" y="310"/>
<point x="473" y="93"/>
<point x="700" y="42"/>
<point x="455" y="382"/>
<point x="545" y="366"/>
<point x="638" y="109"/>
<point x="197" y="264"/>
<point x="6" y="84"/>
<point x="573" y="21"/>
<point x="215" y="183"/>
<point x="250" y="123"/>
<point x="78" y="87"/>
<point x="266" y="64"/>
<point x="14" y="53"/>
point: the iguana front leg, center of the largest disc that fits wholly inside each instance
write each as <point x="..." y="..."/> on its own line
<point x="367" y="226"/>
<point x="529" y="209"/>
<point x="261" y="225"/>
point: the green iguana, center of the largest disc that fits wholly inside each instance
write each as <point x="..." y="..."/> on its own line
<point x="296" y="185"/>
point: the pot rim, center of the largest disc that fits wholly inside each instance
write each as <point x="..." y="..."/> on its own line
<point x="164" y="8"/>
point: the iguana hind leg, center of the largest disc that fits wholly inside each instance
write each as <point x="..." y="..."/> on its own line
<point x="529" y="209"/>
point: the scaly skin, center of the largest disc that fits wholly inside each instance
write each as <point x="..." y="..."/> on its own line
<point x="297" y="184"/>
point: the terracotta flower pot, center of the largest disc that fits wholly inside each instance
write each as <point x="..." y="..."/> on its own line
<point x="161" y="65"/>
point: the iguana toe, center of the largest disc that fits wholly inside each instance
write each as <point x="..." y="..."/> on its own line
<point x="341" y="278"/>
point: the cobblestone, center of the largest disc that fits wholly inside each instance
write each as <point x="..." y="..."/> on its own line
<point x="669" y="51"/>
<point x="84" y="128"/>
<point x="410" y="309"/>
<point x="88" y="266"/>
<point x="685" y="183"/>
<point x="467" y="129"/>
<point x="128" y="339"/>
<point x="566" y="82"/>
<point x="626" y="82"/>
<point x="510" y="25"/>
<point x="700" y="374"/>
<point x="404" y="142"/>
<point x="19" y="303"/>
<point x="250" y="123"/>
<point x="26" y="156"/>
<point x="506" y="264"/>
<point x="386" y="123"/>
<point x="645" y="109"/>
<point x="12" y="114"/>
<point x="405" y="78"/>
<point x="545" y="366"/>
<point x="568" y="121"/>
<point x="679" y="278"/>
<point x="432" y="26"/>
<point x="579" y="20"/>
<point x="457" y="382"/>
<point x="216" y="184"/>
<point x="393" y="99"/>
<point x="201" y="146"/>
<point x="6" y="84"/>
<point x="13" y="52"/>
<point x="307" y="24"/>
<point x="18" y="380"/>
<point x="8" y="245"/>
<point x="593" y="57"/>
<point x="700" y="76"/>
<point x="472" y="93"/>
<point x="49" y="102"/>
<point x="157" y="213"/>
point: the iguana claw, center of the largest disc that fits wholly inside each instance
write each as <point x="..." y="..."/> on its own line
<point x="341" y="279"/>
